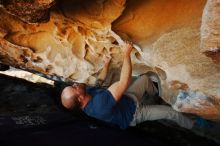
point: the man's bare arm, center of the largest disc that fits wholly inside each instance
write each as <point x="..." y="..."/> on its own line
<point x="118" y="88"/>
<point x="104" y="71"/>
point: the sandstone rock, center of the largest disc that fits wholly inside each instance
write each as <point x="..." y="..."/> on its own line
<point x="29" y="10"/>
<point x="167" y="42"/>
<point x="61" y="47"/>
<point x="169" y="36"/>
<point x="210" y="31"/>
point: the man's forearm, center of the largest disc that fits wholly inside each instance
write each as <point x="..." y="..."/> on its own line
<point x="104" y="72"/>
<point x="117" y="89"/>
<point x="125" y="76"/>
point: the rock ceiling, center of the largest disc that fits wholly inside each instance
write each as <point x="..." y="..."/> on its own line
<point x="177" y="39"/>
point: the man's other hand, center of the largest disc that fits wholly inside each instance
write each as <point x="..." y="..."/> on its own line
<point x="107" y="59"/>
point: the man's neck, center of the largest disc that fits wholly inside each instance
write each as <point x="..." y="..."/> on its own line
<point x="85" y="101"/>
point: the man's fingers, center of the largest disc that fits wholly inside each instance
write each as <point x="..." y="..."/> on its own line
<point x="129" y="43"/>
<point x="107" y="58"/>
<point x="127" y="48"/>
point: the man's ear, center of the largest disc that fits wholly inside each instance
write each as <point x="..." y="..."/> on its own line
<point x="80" y="98"/>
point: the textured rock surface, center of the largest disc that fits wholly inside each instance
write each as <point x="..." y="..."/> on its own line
<point x="28" y="10"/>
<point x="210" y="31"/>
<point x="72" y="43"/>
<point x="169" y="35"/>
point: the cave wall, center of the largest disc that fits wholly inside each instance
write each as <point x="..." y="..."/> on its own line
<point x="167" y="35"/>
<point x="210" y="32"/>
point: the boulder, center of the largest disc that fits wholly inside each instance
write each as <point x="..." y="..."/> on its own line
<point x="172" y="40"/>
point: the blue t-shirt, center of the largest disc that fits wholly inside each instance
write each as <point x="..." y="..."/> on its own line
<point x="103" y="106"/>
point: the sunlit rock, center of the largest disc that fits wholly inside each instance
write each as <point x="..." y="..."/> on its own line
<point x="27" y="76"/>
<point x="169" y="35"/>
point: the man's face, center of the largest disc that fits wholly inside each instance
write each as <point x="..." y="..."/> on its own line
<point x="79" y="88"/>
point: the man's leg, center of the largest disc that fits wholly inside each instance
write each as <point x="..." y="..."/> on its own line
<point x="157" y="112"/>
<point x="140" y="86"/>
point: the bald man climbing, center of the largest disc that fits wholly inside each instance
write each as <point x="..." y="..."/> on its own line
<point x="121" y="104"/>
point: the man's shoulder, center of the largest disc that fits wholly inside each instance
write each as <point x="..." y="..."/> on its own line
<point x="94" y="89"/>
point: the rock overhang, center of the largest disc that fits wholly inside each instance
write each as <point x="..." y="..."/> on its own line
<point x="171" y="36"/>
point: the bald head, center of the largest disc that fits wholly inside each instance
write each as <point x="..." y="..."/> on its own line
<point x="69" y="97"/>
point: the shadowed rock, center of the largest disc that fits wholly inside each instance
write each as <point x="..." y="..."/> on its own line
<point x="30" y="11"/>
